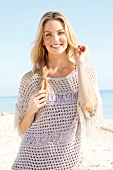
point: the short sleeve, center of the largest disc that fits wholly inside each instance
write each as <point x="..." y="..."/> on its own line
<point x="22" y="103"/>
<point x="92" y="122"/>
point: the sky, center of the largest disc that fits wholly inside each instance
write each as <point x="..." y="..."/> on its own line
<point x="92" y="21"/>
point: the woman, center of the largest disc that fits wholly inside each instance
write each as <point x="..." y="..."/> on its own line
<point x="53" y="97"/>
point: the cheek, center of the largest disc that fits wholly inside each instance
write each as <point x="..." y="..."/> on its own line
<point x="64" y="39"/>
<point x="46" y="41"/>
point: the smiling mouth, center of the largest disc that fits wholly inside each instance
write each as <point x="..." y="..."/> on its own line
<point x="56" y="45"/>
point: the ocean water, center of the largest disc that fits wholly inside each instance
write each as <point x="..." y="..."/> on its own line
<point x="107" y="101"/>
<point x="7" y="104"/>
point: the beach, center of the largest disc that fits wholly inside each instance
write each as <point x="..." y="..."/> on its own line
<point x="98" y="155"/>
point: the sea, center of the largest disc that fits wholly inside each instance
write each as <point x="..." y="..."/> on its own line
<point x="7" y="104"/>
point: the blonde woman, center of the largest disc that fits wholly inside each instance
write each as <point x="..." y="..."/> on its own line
<point x="53" y="97"/>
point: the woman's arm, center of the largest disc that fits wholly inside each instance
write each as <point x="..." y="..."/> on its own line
<point x="86" y="93"/>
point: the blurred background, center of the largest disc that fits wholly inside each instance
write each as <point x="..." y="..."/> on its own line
<point x="92" y="22"/>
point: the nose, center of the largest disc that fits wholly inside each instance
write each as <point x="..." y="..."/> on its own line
<point x="55" y="37"/>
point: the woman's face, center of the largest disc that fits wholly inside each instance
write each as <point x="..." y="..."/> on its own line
<point x="54" y="37"/>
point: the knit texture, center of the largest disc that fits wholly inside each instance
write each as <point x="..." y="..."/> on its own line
<point x="53" y="141"/>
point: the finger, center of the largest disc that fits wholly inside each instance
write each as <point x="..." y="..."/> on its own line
<point x="40" y="92"/>
<point x="82" y="48"/>
<point x="43" y="100"/>
<point x="43" y="104"/>
<point x="36" y="99"/>
<point x="41" y="96"/>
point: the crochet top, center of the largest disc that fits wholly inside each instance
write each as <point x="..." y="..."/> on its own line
<point x="53" y="141"/>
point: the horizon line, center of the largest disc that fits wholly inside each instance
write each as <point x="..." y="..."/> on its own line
<point x="17" y="95"/>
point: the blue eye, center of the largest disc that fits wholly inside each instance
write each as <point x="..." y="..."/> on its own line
<point x="48" y="35"/>
<point x="61" y="32"/>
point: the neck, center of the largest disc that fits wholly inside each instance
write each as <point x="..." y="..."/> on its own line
<point x="58" y="61"/>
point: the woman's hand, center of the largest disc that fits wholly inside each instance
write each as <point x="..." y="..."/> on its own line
<point x="82" y="53"/>
<point x="37" y="101"/>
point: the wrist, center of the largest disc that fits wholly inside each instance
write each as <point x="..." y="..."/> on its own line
<point x="80" y="63"/>
<point x="29" y="114"/>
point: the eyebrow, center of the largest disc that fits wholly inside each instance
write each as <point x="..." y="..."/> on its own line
<point x="57" y="31"/>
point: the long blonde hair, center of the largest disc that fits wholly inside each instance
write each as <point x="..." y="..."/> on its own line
<point x="39" y="52"/>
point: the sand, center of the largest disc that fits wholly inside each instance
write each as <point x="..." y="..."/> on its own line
<point x="99" y="153"/>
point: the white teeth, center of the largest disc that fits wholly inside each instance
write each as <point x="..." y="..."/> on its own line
<point x="55" y="46"/>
